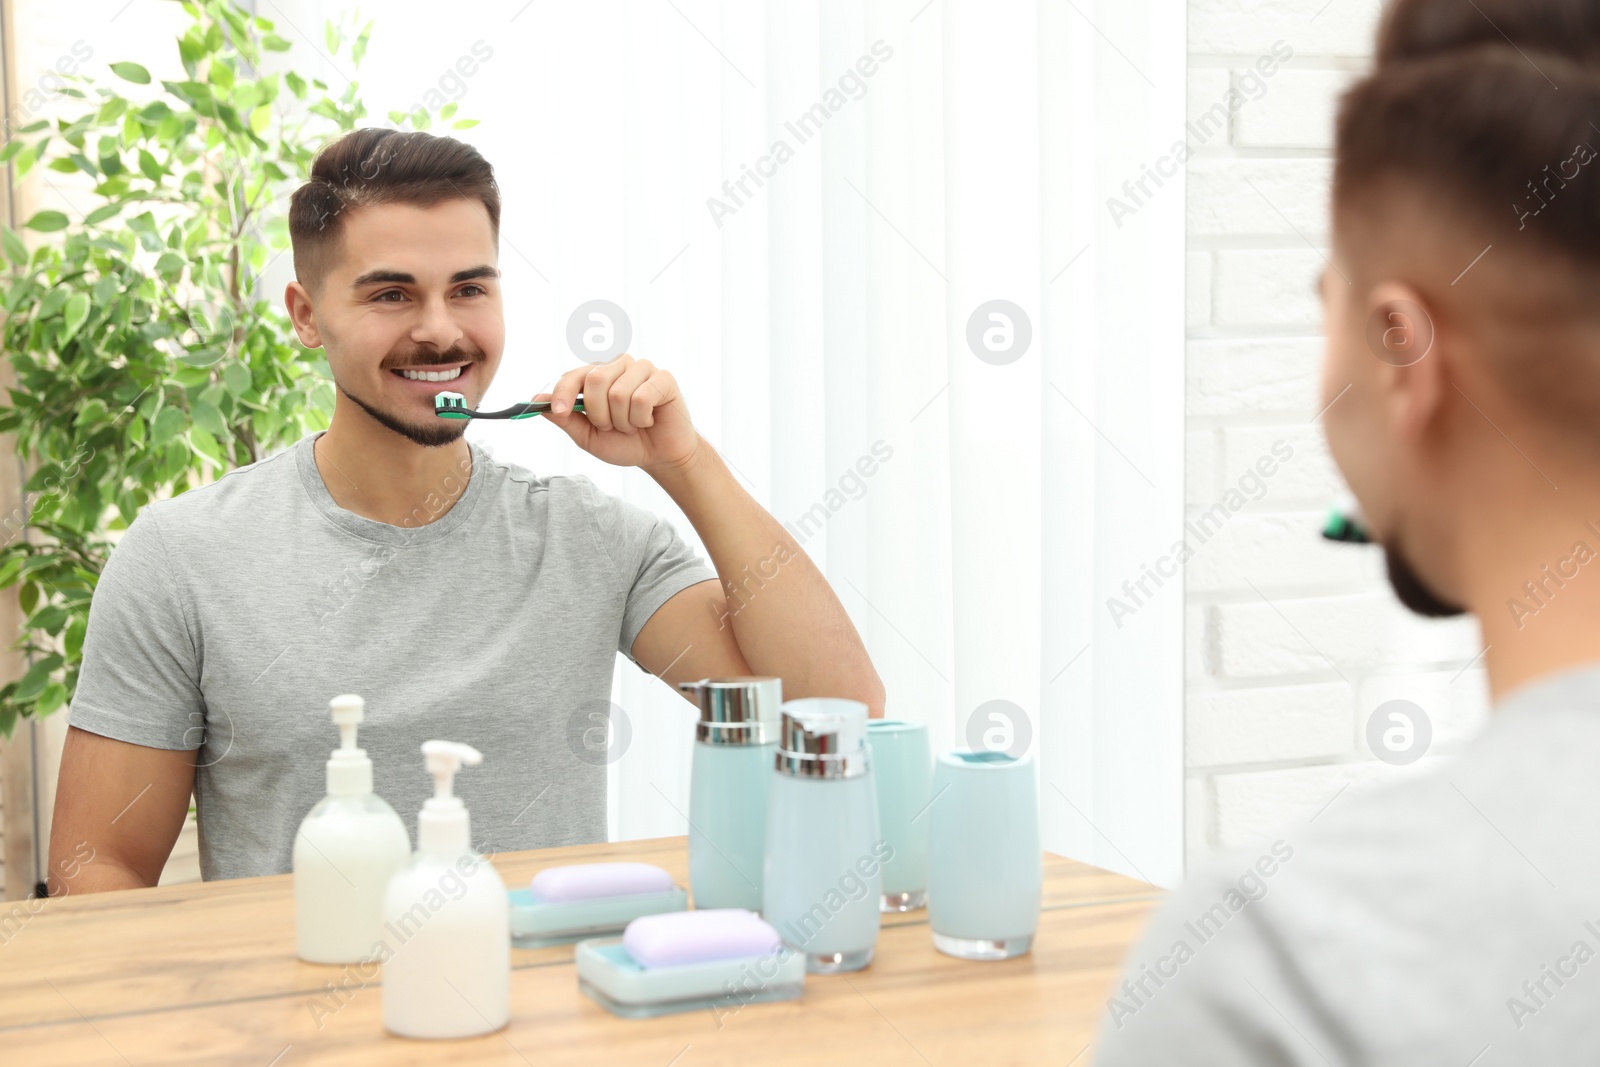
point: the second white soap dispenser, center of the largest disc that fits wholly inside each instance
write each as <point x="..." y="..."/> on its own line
<point x="448" y="919"/>
<point x="348" y="847"/>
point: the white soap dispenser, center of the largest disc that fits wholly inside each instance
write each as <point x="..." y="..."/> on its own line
<point x="348" y="848"/>
<point x="448" y="918"/>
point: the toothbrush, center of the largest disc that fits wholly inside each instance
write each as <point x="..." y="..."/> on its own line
<point x="454" y="406"/>
<point x="1344" y="522"/>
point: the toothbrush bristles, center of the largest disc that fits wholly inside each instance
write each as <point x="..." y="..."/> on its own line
<point x="450" y="405"/>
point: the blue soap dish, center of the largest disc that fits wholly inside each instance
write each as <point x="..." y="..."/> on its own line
<point x="610" y="976"/>
<point x="537" y="924"/>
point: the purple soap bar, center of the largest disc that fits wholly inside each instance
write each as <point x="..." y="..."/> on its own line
<point x="594" y="881"/>
<point x="675" y="938"/>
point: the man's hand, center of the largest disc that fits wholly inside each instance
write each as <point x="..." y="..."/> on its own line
<point x="633" y="414"/>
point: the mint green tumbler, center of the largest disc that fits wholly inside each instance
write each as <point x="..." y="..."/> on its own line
<point x="902" y="765"/>
<point x="985" y="866"/>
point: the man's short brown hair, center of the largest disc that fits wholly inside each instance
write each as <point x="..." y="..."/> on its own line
<point x="1483" y="119"/>
<point x="379" y="166"/>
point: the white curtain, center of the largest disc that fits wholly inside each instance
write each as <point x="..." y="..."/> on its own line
<point x="936" y="156"/>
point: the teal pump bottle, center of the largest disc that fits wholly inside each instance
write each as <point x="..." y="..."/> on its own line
<point x="824" y="862"/>
<point x="729" y="778"/>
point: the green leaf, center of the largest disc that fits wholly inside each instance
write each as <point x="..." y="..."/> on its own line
<point x="74" y="637"/>
<point x="101" y="213"/>
<point x="15" y="250"/>
<point x="149" y="167"/>
<point x="273" y="43"/>
<point x="24" y="160"/>
<point x="463" y="124"/>
<point x="50" y="619"/>
<point x="132" y="72"/>
<point x="170" y="265"/>
<point x="10" y="570"/>
<point x="296" y="84"/>
<point x="261" y="119"/>
<point x="32" y="683"/>
<point x="208" y="418"/>
<point x="37" y="678"/>
<point x="236" y="376"/>
<point x="169" y="423"/>
<point x="77" y="310"/>
<point x="206" y="446"/>
<point x="12" y="147"/>
<point x="330" y="36"/>
<point x="135" y="431"/>
<point x="90" y="411"/>
<point x="53" y="301"/>
<point x="54" y="695"/>
<point x="47" y="222"/>
<point x="111" y="110"/>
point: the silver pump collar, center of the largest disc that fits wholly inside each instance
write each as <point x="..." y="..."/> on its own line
<point x="736" y="711"/>
<point x="823" y="738"/>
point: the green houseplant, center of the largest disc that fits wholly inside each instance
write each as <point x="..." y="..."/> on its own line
<point x="146" y="359"/>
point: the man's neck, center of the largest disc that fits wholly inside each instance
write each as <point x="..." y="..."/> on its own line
<point x="1538" y="599"/>
<point x="374" y="472"/>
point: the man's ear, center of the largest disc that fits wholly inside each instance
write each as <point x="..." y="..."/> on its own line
<point x="1402" y="332"/>
<point x="298" y="301"/>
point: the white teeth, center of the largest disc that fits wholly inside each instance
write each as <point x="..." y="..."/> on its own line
<point x="432" y="376"/>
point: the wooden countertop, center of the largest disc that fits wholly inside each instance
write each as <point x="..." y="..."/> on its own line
<point x="206" y="974"/>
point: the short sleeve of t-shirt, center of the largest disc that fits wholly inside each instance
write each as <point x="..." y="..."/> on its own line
<point x="139" y="678"/>
<point x="654" y="561"/>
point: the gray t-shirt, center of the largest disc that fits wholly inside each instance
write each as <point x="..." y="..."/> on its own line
<point x="1449" y="920"/>
<point x="228" y="616"/>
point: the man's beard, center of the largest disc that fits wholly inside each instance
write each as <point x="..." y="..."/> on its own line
<point x="432" y="434"/>
<point x="439" y="432"/>
<point x="1411" y="590"/>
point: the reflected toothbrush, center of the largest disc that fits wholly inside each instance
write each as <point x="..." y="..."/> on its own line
<point x="1344" y="522"/>
<point x="454" y="406"/>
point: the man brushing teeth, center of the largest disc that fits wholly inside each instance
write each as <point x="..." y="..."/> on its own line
<point x="464" y="597"/>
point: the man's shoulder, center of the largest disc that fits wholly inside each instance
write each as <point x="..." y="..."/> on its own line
<point x="237" y="496"/>
<point x="1442" y="888"/>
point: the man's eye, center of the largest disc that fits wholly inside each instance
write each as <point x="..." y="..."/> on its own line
<point x="387" y="293"/>
<point x="472" y="290"/>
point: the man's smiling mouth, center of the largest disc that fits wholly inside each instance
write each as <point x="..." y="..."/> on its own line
<point x="421" y="374"/>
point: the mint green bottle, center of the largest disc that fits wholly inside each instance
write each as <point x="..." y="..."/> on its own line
<point x="824" y="871"/>
<point x="729" y="778"/>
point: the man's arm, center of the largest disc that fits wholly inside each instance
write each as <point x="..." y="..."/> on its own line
<point x="775" y="613"/>
<point x="119" y="808"/>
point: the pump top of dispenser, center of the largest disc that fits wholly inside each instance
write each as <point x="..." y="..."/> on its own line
<point x="823" y="737"/>
<point x="736" y="711"/>
<point x="349" y="769"/>
<point x="442" y="825"/>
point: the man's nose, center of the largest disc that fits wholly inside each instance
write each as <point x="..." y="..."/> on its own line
<point x="436" y="326"/>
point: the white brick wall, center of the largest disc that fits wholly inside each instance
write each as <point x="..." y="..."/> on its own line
<point x="1292" y="642"/>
